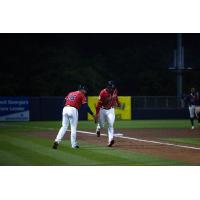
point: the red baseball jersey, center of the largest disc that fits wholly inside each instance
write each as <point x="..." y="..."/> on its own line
<point x="107" y="100"/>
<point x="75" y="99"/>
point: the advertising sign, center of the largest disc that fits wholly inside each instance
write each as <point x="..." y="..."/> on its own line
<point x="123" y="113"/>
<point x="14" y="109"/>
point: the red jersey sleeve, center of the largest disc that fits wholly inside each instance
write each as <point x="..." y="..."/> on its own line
<point x="100" y="101"/>
<point x="98" y="106"/>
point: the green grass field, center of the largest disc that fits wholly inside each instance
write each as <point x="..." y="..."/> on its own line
<point x="17" y="148"/>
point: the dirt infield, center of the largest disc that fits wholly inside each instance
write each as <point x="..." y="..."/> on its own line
<point x="190" y="156"/>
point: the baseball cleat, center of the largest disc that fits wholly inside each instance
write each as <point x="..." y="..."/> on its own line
<point x="76" y="147"/>
<point x="98" y="133"/>
<point x="111" y="143"/>
<point x="55" y="145"/>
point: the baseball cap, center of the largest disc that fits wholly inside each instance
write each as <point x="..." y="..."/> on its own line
<point x="82" y="87"/>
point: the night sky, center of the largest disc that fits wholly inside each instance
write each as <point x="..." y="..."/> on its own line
<point x="52" y="64"/>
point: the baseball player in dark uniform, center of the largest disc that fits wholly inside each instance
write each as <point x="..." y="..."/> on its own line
<point x="192" y="100"/>
<point x="197" y="109"/>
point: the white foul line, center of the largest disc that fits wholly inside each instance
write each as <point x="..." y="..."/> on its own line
<point x="147" y="141"/>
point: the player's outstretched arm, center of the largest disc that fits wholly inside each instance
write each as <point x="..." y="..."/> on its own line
<point x="87" y="108"/>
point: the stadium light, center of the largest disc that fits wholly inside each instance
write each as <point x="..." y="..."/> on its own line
<point x="178" y="65"/>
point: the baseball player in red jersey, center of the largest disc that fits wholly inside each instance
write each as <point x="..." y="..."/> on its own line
<point x="74" y="100"/>
<point x="105" y="110"/>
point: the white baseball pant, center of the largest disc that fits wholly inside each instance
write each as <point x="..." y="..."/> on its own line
<point x="69" y="115"/>
<point x="192" y="111"/>
<point x="109" y="116"/>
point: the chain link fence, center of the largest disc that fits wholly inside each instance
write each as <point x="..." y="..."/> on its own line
<point x="157" y="102"/>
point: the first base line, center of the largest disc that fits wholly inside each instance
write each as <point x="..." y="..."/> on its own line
<point x="120" y="135"/>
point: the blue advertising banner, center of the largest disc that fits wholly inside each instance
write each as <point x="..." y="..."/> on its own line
<point x="14" y="109"/>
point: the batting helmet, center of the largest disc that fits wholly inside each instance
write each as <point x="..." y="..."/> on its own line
<point x="110" y="85"/>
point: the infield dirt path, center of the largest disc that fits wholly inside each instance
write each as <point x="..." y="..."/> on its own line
<point x="190" y="156"/>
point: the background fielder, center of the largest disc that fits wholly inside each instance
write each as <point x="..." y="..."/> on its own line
<point x="192" y="100"/>
<point x="108" y="98"/>
<point x="74" y="100"/>
<point x="197" y="108"/>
